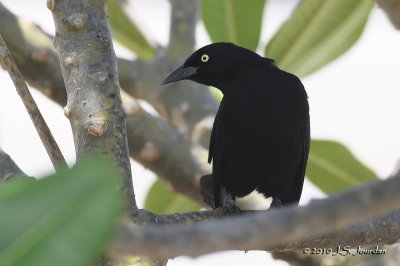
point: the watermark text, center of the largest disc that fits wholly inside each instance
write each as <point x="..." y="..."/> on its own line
<point x="344" y="251"/>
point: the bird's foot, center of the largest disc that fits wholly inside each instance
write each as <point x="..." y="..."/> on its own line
<point x="276" y="203"/>
<point x="207" y="190"/>
<point x="229" y="210"/>
<point x="228" y="203"/>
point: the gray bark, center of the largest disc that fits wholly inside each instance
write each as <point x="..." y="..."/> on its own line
<point x="350" y="218"/>
<point x="94" y="107"/>
<point x="8" y="168"/>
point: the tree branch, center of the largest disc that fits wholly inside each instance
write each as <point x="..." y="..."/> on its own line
<point x="279" y="229"/>
<point x="34" y="54"/>
<point x="392" y="9"/>
<point x="165" y="151"/>
<point x="8" y="64"/>
<point x="183" y="104"/>
<point x="182" y="34"/>
<point x="8" y="168"/>
<point x="94" y="105"/>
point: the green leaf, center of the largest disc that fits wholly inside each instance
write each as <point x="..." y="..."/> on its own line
<point x="64" y="219"/>
<point x="236" y="21"/>
<point x="317" y="33"/>
<point x="126" y="33"/>
<point x="332" y="167"/>
<point x="162" y="200"/>
<point x="216" y="93"/>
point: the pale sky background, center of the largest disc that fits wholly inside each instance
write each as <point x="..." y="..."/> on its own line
<point x="354" y="100"/>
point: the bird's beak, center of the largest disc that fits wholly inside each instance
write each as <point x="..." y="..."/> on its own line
<point x="179" y="74"/>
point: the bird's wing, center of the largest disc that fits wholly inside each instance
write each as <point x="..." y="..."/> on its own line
<point x="216" y="151"/>
<point x="294" y="195"/>
<point x="266" y="140"/>
<point x="244" y="157"/>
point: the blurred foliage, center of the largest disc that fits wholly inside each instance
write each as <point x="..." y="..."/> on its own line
<point x="63" y="219"/>
<point x="332" y="167"/>
<point x="216" y="93"/>
<point x="125" y="32"/>
<point x="162" y="200"/>
<point x="235" y="21"/>
<point x="317" y="33"/>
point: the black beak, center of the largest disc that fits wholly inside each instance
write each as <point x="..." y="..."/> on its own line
<point x="179" y="74"/>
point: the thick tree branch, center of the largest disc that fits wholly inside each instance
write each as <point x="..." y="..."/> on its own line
<point x="8" y="168"/>
<point x="94" y="105"/>
<point x="8" y="64"/>
<point x="280" y="229"/>
<point x="182" y="37"/>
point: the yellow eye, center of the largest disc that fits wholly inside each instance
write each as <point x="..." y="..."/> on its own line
<point x="204" y="58"/>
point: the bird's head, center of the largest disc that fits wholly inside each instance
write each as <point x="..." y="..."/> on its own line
<point x="213" y="64"/>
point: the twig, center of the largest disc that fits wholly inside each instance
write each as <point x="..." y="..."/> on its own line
<point x="8" y="168"/>
<point x="279" y="229"/>
<point x="34" y="54"/>
<point x="392" y="9"/>
<point x="8" y="64"/>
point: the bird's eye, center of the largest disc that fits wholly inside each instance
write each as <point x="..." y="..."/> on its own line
<point x="204" y="58"/>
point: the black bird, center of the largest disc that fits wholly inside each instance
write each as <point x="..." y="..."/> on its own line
<point x="260" y="139"/>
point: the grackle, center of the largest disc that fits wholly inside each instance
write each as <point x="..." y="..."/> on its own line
<point x="260" y="139"/>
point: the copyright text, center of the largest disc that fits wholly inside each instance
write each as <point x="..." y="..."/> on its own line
<point x="344" y="251"/>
